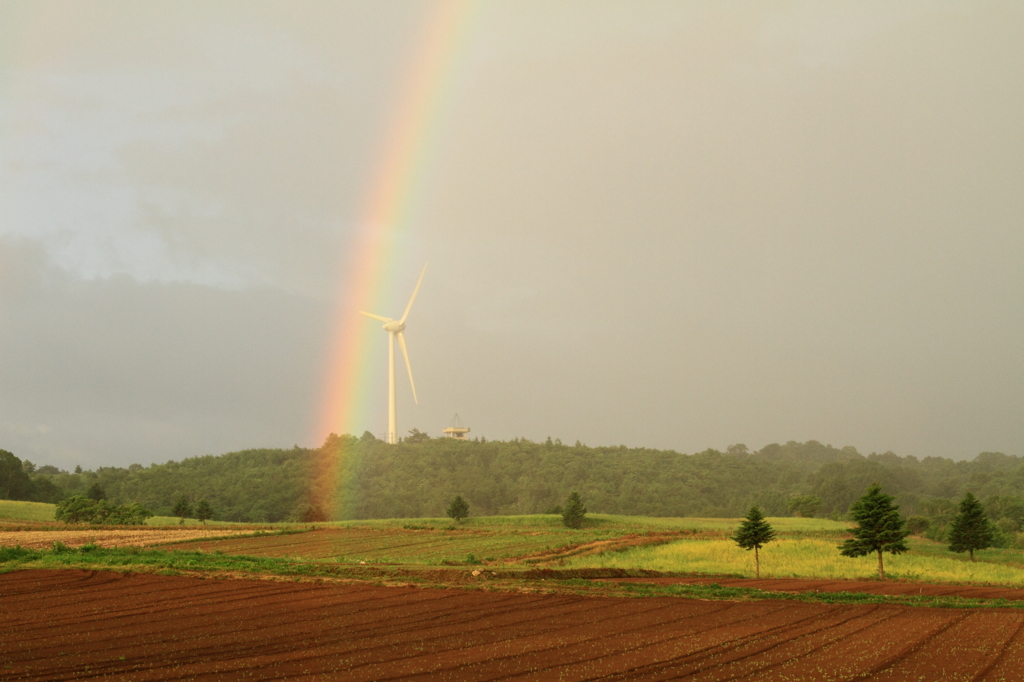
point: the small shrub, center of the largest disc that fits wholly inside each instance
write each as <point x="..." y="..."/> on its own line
<point x="17" y="553"/>
<point x="128" y="515"/>
<point x="936" y="532"/>
<point x="917" y="525"/>
<point x="76" y="509"/>
<point x="81" y="509"/>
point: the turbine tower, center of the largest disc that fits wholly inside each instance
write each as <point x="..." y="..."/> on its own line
<point x="395" y="329"/>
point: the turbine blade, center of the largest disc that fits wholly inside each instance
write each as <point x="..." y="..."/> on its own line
<point x="414" y="292"/>
<point x="405" y="354"/>
<point x="376" y="317"/>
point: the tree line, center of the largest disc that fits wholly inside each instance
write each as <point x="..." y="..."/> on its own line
<point x="358" y="478"/>
<point x="879" y="528"/>
<point x="572" y="514"/>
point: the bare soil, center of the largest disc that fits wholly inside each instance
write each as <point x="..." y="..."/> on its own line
<point x="385" y="543"/>
<point x="64" y="625"/>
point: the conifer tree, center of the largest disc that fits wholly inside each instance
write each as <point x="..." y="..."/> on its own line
<point x="971" y="528"/>
<point x="182" y="508"/>
<point x="458" y="509"/>
<point x="204" y="511"/>
<point x="574" y="511"/>
<point x="753" y="534"/>
<point x="879" y="527"/>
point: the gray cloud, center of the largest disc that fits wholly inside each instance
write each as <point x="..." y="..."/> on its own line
<point x="650" y="224"/>
<point x="115" y="370"/>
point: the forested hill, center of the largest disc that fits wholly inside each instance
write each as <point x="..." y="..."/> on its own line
<point x="419" y="476"/>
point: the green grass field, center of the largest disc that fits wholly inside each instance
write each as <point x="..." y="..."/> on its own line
<point x="609" y="522"/>
<point x="812" y="558"/>
<point x="38" y="511"/>
<point x="805" y="548"/>
<point x="26" y="511"/>
<point x="41" y="511"/>
<point x="133" y="559"/>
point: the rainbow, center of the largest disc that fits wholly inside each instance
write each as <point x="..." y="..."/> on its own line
<point x="382" y="223"/>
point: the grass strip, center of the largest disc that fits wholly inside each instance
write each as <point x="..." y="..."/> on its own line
<point x="175" y="562"/>
<point x="714" y="591"/>
<point x="133" y="558"/>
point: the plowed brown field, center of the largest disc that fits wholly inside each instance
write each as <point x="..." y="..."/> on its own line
<point x="404" y="545"/>
<point x="63" y="625"/>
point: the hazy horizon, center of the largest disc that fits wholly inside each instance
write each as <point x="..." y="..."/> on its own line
<point x="657" y="224"/>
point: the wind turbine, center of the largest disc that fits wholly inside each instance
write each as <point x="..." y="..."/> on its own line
<point x="395" y="329"/>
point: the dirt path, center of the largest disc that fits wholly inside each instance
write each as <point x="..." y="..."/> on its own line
<point x="63" y="625"/>
<point x="619" y="544"/>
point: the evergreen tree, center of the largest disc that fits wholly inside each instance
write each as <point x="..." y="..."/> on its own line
<point x="754" y="533"/>
<point x="182" y="509"/>
<point x="971" y="528"/>
<point x="574" y="511"/>
<point x="879" y="527"/>
<point x="204" y="511"/>
<point x="96" y="492"/>
<point x="917" y="525"/>
<point x="458" y="509"/>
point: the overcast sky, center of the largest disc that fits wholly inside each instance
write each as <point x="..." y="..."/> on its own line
<point x="664" y="224"/>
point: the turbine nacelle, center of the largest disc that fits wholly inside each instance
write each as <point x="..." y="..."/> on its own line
<point x="390" y="325"/>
